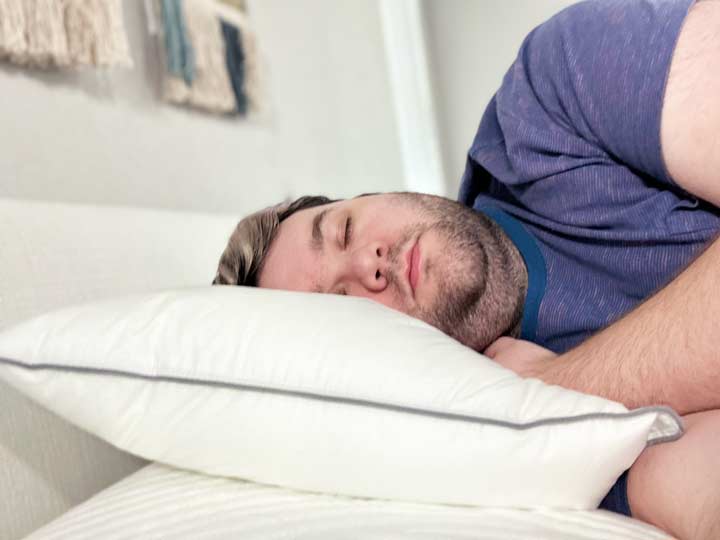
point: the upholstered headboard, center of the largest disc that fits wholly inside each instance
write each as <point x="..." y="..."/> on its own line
<point x="53" y="255"/>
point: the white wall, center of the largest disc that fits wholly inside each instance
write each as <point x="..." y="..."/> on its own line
<point x="471" y="45"/>
<point x="106" y="137"/>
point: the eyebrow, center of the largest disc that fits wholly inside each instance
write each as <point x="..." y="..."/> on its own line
<point x="317" y="242"/>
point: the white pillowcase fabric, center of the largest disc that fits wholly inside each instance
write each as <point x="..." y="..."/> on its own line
<point x="163" y="502"/>
<point x="322" y="393"/>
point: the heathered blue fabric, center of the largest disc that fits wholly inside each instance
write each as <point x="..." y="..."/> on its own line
<point x="570" y="147"/>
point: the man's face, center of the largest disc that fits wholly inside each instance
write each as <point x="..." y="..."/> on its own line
<point x="415" y="253"/>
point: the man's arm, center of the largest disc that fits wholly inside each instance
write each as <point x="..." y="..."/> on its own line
<point x="667" y="351"/>
<point x="674" y="486"/>
<point x="690" y="123"/>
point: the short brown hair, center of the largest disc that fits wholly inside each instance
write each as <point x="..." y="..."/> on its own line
<point x="242" y="260"/>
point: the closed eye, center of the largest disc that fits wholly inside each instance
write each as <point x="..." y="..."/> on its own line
<point x="348" y="232"/>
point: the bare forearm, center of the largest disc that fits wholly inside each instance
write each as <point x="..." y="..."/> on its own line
<point x="666" y="351"/>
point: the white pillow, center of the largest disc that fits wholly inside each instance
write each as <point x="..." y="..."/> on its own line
<point x="322" y="393"/>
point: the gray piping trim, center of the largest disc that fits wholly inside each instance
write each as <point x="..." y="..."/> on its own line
<point x="375" y="404"/>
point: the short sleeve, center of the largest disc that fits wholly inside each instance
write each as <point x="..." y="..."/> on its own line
<point x="586" y="89"/>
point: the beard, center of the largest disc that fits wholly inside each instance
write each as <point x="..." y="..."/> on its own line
<point x="480" y="276"/>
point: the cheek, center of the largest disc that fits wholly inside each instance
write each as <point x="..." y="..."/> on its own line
<point x="439" y="260"/>
<point x="290" y="276"/>
<point x="285" y="269"/>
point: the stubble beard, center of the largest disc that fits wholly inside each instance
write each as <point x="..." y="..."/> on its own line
<point x="479" y="273"/>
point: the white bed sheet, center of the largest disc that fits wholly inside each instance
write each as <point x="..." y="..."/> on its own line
<point x="163" y="502"/>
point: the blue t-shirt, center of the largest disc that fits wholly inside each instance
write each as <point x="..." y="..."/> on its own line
<point x="567" y="159"/>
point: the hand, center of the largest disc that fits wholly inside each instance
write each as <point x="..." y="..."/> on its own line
<point x="523" y="357"/>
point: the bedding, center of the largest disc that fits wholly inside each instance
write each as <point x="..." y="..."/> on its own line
<point x="163" y="502"/>
<point x="56" y="254"/>
<point x="322" y="393"/>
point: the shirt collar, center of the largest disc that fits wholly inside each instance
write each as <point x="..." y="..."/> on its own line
<point x="534" y="261"/>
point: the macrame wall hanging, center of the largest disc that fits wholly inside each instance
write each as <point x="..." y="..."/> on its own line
<point x="209" y="55"/>
<point x="63" y="33"/>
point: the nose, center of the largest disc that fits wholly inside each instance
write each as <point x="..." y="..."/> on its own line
<point x="368" y="265"/>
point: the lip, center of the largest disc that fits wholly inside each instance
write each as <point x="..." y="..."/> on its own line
<point x="413" y="266"/>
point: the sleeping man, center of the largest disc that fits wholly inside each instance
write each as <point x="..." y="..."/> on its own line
<point x="582" y="249"/>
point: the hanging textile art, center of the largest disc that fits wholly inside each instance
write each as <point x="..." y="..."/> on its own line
<point x="63" y="33"/>
<point x="209" y="59"/>
<point x="207" y="85"/>
<point x="237" y="4"/>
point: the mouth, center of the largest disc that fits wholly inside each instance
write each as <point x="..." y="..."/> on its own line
<point x="412" y="270"/>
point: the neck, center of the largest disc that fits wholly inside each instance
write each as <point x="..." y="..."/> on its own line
<point x="509" y="272"/>
<point x="516" y="325"/>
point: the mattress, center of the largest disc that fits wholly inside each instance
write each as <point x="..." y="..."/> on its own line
<point x="162" y="502"/>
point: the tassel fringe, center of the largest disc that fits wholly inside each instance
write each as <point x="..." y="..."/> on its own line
<point x="60" y="33"/>
<point x="44" y="34"/>
<point x="12" y="29"/>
